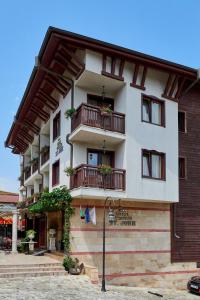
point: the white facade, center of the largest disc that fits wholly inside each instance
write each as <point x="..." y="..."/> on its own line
<point x="128" y="147"/>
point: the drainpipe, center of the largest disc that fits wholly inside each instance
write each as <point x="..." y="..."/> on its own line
<point x="67" y="137"/>
<point x="39" y="166"/>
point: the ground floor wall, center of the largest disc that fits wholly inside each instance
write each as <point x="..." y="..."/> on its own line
<point x="137" y="254"/>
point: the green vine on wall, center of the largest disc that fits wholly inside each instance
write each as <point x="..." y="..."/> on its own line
<point x="58" y="199"/>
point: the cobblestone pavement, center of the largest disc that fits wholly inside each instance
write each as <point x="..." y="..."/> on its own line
<point x="77" y="288"/>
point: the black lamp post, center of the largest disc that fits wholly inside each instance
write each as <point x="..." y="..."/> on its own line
<point x="111" y="218"/>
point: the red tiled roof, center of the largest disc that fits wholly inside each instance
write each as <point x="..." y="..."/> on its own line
<point x="6" y="197"/>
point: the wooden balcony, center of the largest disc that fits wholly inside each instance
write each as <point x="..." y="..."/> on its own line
<point x="35" y="165"/>
<point x="27" y="172"/>
<point x="91" y="176"/>
<point x="93" y="116"/>
<point x="45" y="156"/>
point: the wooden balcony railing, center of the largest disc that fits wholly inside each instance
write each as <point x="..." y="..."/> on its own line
<point x="91" y="176"/>
<point x="90" y="115"/>
<point x="27" y="172"/>
<point x="44" y="156"/>
<point x="35" y="166"/>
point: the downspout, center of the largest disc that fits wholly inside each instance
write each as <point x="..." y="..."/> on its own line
<point x="39" y="166"/>
<point x="67" y="137"/>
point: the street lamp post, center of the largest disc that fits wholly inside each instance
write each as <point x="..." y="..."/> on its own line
<point x="111" y="218"/>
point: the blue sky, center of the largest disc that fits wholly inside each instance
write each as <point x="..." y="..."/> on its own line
<point x="164" y="28"/>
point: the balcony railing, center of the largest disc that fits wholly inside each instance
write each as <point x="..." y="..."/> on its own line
<point x="90" y="115"/>
<point x="27" y="172"/>
<point x="91" y="176"/>
<point x="35" y="165"/>
<point x="45" y="156"/>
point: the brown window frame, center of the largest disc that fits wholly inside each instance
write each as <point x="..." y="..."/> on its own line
<point x="152" y="99"/>
<point x="163" y="164"/>
<point x="56" y="126"/>
<point x="185" y="124"/>
<point x="185" y="167"/>
<point x="54" y="179"/>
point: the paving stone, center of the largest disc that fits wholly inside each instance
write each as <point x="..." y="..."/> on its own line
<point x="76" y="288"/>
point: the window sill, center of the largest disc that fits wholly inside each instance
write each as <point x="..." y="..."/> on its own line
<point x="153" y="124"/>
<point x="154" y="178"/>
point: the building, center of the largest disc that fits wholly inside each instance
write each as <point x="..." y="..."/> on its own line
<point x="136" y="114"/>
<point x="8" y="220"/>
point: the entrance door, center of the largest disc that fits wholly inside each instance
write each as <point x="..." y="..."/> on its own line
<point x="42" y="233"/>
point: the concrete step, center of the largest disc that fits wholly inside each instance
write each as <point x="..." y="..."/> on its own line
<point x="31" y="265"/>
<point x="33" y="274"/>
<point x="31" y="269"/>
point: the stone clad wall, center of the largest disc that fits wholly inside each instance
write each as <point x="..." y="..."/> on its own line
<point x="136" y="255"/>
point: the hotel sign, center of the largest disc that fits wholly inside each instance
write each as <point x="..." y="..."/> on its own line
<point x="124" y="219"/>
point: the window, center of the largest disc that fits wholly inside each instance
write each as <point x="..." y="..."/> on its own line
<point x="56" y="126"/>
<point x="98" y="157"/>
<point x="182" y="167"/>
<point x="153" y="111"/>
<point x="181" y="121"/>
<point x="153" y="164"/>
<point x="100" y="101"/>
<point x="55" y="173"/>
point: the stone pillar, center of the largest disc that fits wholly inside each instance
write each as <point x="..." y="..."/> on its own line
<point x="14" y="232"/>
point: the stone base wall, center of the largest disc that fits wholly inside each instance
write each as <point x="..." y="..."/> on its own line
<point x="135" y="255"/>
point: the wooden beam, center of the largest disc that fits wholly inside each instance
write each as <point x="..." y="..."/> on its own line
<point x="121" y="67"/>
<point x="47" y="97"/>
<point x="26" y="136"/>
<point x="168" y="84"/>
<point x="173" y="87"/>
<point x="24" y="144"/>
<point x="144" y="74"/>
<point x="104" y="59"/>
<point x="54" y="86"/>
<point x="180" y="87"/>
<point x="135" y="74"/>
<point x="72" y="55"/>
<point x="31" y="126"/>
<point x="65" y="62"/>
<point x="113" y="63"/>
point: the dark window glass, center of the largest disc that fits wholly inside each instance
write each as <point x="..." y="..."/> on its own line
<point x="153" y="111"/>
<point x="56" y="126"/>
<point x="98" y="157"/>
<point x="182" y="168"/>
<point x="55" y="173"/>
<point x="181" y="121"/>
<point x="153" y="164"/>
<point x="100" y="101"/>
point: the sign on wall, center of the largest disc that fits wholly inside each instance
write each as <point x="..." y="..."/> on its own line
<point x="123" y="218"/>
<point x="59" y="147"/>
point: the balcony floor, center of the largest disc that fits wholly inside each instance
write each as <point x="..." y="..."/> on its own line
<point x="95" y="135"/>
<point x="97" y="193"/>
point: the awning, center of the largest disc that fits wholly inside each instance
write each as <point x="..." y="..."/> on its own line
<point x="5" y="220"/>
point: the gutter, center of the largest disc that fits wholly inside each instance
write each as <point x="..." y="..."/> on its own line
<point x="68" y="135"/>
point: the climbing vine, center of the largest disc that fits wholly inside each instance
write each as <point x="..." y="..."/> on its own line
<point x="58" y="199"/>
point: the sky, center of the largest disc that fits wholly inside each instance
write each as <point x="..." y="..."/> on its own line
<point x="168" y="29"/>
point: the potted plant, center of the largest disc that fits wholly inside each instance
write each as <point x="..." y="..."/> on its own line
<point x="68" y="263"/>
<point x="106" y="110"/>
<point x="70" y="112"/>
<point x="30" y="234"/>
<point x="34" y="160"/>
<point x="70" y="171"/>
<point x="72" y="266"/>
<point x="104" y="169"/>
<point x="44" y="149"/>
